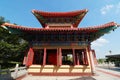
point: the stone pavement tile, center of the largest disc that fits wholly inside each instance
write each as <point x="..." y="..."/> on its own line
<point x="104" y="74"/>
<point x="100" y="75"/>
<point x="84" y="78"/>
<point x="111" y="72"/>
<point x="30" y="77"/>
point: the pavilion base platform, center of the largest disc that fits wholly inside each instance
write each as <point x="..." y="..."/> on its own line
<point x="63" y="70"/>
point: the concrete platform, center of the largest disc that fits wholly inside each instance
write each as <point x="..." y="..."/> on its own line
<point x="101" y="74"/>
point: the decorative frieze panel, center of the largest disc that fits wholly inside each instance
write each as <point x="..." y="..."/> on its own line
<point x="37" y="43"/>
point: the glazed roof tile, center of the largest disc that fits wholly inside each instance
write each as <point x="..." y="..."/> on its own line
<point x="91" y="28"/>
<point x="59" y="14"/>
<point x="43" y="16"/>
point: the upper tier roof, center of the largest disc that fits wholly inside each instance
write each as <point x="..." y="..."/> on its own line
<point x="73" y="17"/>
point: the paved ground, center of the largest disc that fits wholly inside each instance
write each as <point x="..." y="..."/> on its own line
<point x="101" y="74"/>
<point x="106" y="74"/>
<point x="58" y="78"/>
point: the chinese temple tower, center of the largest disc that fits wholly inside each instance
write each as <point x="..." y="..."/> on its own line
<point x="60" y="47"/>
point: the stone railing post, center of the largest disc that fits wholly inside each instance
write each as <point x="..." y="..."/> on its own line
<point x="16" y="70"/>
<point x="8" y="71"/>
<point x="0" y="70"/>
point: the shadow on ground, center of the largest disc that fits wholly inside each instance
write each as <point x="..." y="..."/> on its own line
<point x="84" y="78"/>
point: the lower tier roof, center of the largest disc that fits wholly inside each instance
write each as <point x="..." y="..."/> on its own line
<point x="98" y="31"/>
<point x="91" y="28"/>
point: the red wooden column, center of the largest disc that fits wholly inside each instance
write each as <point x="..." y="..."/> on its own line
<point x="86" y="58"/>
<point x="57" y="56"/>
<point x="78" y="62"/>
<point x="25" y="59"/>
<point x="30" y="57"/>
<point x="83" y="57"/>
<point x="74" y="61"/>
<point x="44" y="57"/>
<point x="60" y="56"/>
<point x="94" y="56"/>
<point x="91" y="60"/>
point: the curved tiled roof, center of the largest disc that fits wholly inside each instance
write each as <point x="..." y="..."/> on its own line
<point x="94" y="31"/>
<point x="89" y="29"/>
<point x="59" y="14"/>
<point x="43" y="16"/>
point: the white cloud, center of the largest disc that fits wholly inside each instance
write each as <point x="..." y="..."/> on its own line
<point x="97" y="46"/>
<point x="106" y="9"/>
<point x="99" y="42"/>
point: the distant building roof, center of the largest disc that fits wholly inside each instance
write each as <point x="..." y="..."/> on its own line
<point x="113" y="56"/>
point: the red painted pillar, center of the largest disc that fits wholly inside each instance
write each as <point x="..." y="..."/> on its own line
<point x="91" y="60"/>
<point x="86" y="58"/>
<point x="44" y="57"/>
<point x="78" y="62"/>
<point x="88" y="55"/>
<point x="57" y="56"/>
<point x="30" y="57"/>
<point x="60" y="56"/>
<point x="94" y="56"/>
<point x="74" y="61"/>
<point x="83" y="57"/>
<point x="25" y="60"/>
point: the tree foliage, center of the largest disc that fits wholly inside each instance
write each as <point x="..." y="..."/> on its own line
<point x="101" y="60"/>
<point x="12" y="46"/>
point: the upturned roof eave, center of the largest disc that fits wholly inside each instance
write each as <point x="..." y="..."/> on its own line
<point x="60" y="29"/>
<point x="59" y="14"/>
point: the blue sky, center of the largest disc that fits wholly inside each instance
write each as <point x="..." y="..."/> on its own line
<point x="100" y="12"/>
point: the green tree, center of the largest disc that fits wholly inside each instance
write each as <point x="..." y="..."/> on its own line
<point x="12" y="47"/>
<point x="101" y="60"/>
